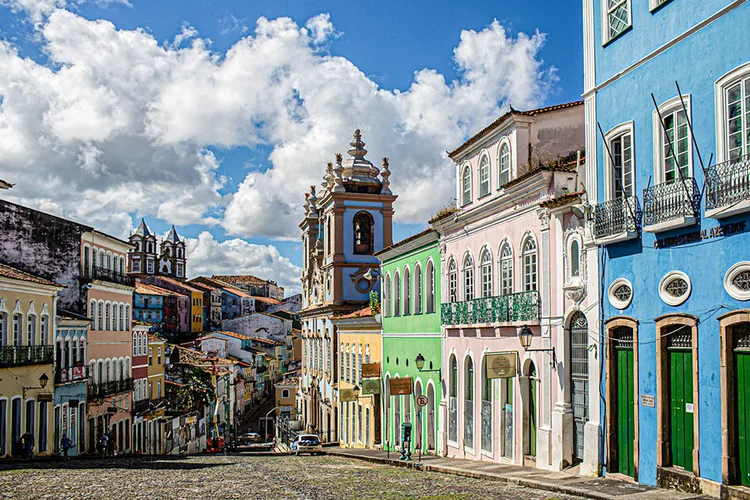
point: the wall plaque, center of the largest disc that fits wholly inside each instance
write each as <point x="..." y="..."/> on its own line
<point x="647" y="400"/>
<point x="370" y="370"/>
<point x="502" y="364"/>
<point x="400" y="386"/>
<point x="347" y="395"/>
<point x="370" y="386"/>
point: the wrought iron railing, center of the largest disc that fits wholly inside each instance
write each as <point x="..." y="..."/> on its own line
<point x="70" y="374"/>
<point x="487" y="426"/>
<point x="469" y="423"/>
<point x="728" y="183"/>
<point x="26" y="355"/>
<point x="670" y="201"/>
<point x="617" y="216"/>
<point x="141" y="405"/>
<point x="104" y="274"/>
<point x="452" y="419"/>
<point x="522" y="306"/>
<point x="105" y="389"/>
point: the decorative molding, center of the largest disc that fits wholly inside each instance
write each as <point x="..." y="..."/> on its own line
<point x="738" y="272"/>
<point x="619" y="302"/>
<point x="667" y="296"/>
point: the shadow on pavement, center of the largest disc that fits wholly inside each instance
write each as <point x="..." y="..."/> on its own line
<point x="161" y="463"/>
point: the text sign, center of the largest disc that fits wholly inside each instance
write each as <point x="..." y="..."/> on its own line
<point x="648" y="401"/>
<point x="422" y="400"/>
<point x="703" y="234"/>
<point x="370" y="370"/>
<point x="400" y="386"/>
<point x="370" y="386"/>
<point x="347" y="395"/>
<point x="502" y="365"/>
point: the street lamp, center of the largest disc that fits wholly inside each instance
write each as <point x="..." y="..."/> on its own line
<point x="525" y="336"/>
<point x="42" y="384"/>
<point x="419" y="361"/>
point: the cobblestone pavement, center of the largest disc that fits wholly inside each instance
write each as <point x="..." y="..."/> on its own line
<point x="243" y="476"/>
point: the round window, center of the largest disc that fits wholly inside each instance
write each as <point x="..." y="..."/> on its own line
<point x="675" y="288"/>
<point x="737" y="281"/>
<point x="620" y="293"/>
<point x="363" y="285"/>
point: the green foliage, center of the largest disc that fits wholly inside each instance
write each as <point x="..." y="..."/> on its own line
<point x="374" y="302"/>
<point x="197" y="391"/>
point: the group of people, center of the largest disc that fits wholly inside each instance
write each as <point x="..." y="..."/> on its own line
<point x="107" y="445"/>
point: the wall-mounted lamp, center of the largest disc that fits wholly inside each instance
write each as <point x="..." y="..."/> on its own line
<point x="525" y="336"/>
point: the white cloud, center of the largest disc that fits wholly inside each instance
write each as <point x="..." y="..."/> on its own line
<point x="37" y="10"/>
<point x="206" y="256"/>
<point x="119" y="123"/>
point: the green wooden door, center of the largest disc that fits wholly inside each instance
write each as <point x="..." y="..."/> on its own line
<point x="625" y="411"/>
<point x="681" y="407"/>
<point x="743" y="415"/>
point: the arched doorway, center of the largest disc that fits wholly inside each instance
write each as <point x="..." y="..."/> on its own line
<point x="430" y="417"/>
<point x="418" y="436"/>
<point x="530" y="411"/>
<point x="621" y="400"/>
<point x="735" y="329"/>
<point x="453" y="401"/>
<point x="579" y="380"/>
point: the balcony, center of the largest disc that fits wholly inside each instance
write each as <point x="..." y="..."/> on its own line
<point x="617" y="220"/>
<point x="512" y="308"/>
<point x="70" y="375"/>
<point x="104" y="389"/>
<point x="112" y="276"/>
<point x="26" y="355"/>
<point x="671" y="205"/>
<point x="141" y="406"/>
<point x="728" y="188"/>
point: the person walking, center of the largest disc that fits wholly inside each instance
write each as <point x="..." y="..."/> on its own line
<point x="66" y="444"/>
<point x="27" y="445"/>
<point x="103" y="444"/>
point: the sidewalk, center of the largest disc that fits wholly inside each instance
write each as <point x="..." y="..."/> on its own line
<point x="558" y="482"/>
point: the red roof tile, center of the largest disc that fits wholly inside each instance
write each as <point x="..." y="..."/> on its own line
<point x="16" y="274"/>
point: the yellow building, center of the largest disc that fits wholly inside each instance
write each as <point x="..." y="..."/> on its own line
<point x="360" y="343"/>
<point x="27" y="328"/>
<point x="156" y="355"/>
<point x="286" y="396"/>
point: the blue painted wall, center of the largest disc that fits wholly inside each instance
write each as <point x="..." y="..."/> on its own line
<point x="696" y="63"/>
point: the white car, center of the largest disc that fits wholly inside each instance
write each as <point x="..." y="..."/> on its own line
<point x="307" y="443"/>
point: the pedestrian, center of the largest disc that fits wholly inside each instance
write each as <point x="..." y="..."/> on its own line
<point x="103" y="444"/>
<point x="66" y="444"/>
<point x="110" y="444"/>
<point x="27" y="445"/>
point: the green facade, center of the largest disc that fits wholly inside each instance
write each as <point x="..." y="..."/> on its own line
<point x="408" y="335"/>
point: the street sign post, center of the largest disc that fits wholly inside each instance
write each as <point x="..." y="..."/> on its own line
<point x="422" y="400"/>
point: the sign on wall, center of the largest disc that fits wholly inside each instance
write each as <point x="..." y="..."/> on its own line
<point x="400" y="386"/>
<point x="370" y="370"/>
<point x="370" y="386"/>
<point x="502" y="364"/>
<point x="347" y="395"/>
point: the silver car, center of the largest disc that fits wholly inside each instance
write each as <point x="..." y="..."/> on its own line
<point x="307" y="443"/>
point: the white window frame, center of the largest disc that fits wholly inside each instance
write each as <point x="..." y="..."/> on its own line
<point x="503" y="289"/>
<point x="452" y="280"/>
<point x="666" y="280"/>
<point x="418" y="289"/>
<point x="732" y="290"/>
<point x="503" y="143"/>
<point x="606" y="37"/>
<point x="485" y="273"/>
<point x="466" y="200"/>
<point x="617" y="303"/>
<point x="617" y="132"/>
<point x="484" y="167"/>
<point x="468" y="277"/>
<point x="720" y="93"/>
<point x="673" y="105"/>
<point x="655" y="4"/>
<point x="527" y="254"/>
<point x="407" y="291"/>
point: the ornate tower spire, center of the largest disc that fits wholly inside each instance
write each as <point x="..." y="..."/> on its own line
<point x="339" y="177"/>
<point x="328" y="178"/>
<point x="357" y="168"/>
<point x="385" y="174"/>
<point x="313" y="200"/>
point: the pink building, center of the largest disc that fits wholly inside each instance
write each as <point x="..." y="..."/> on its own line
<point x="503" y="252"/>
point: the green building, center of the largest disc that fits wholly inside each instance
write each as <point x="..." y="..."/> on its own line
<point x="411" y="329"/>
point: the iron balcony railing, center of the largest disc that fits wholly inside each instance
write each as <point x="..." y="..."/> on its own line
<point x="141" y="406"/>
<point x="728" y="183"/>
<point x="26" y="355"/>
<point x="522" y="306"/>
<point x="70" y="374"/>
<point x="621" y="215"/>
<point x="671" y="201"/>
<point x="104" y="274"/>
<point x="104" y="389"/>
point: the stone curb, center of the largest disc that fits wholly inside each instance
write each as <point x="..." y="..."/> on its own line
<point x="518" y="481"/>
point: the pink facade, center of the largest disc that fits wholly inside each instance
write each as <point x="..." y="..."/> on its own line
<point x="503" y="272"/>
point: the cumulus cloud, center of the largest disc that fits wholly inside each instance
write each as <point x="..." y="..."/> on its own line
<point x="118" y="123"/>
<point x="206" y="256"/>
<point x="37" y="10"/>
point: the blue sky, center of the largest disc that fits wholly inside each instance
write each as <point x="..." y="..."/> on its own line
<point x="388" y="41"/>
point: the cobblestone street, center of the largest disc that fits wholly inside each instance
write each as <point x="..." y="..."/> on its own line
<point x="241" y="476"/>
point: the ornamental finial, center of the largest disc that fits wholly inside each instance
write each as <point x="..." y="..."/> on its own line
<point x="385" y="174"/>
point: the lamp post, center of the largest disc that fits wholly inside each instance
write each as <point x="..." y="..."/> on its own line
<point x="42" y="384"/>
<point x="525" y="336"/>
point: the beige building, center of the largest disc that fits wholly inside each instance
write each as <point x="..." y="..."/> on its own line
<point x="286" y="396"/>
<point x="27" y="311"/>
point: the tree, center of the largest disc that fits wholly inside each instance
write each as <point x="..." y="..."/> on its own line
<point x="197" y="391"/>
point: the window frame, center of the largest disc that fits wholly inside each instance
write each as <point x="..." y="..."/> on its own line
<point x="606" y="36"/>
<point x="482" y="168"/>
<point x="468" y="278"/>
<point x="506" y="259"/>
<point x="669" y="107"/>
<point x="418" y="288"/>
<point x="485" y="273"/>
<point x="396" y="294"/>
<point x="370" y="221"/>
<point x="527" y="253"/>
<point x="407" y="291"/>
<point x="504" y="142"/>
<point x="452" y="280"/>
<point x="721" y="88"/>
<point x="615" y="133"/>
<point x="466" y="188"/>
<point x="430" y="274"/>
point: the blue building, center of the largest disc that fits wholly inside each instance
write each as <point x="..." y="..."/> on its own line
<point x="71" y="334"/>
<point x="671" y="193"/>
<point x="148" y="303"/>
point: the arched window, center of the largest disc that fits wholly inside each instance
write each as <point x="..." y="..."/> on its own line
<point x="93" y="257"/>
<point x="453" y="401"/>
<point x="127" y="317"/>
<point x="506" y="270"/>
<point x="397" y="295"/>
<point x="107" y="309"/>
<point x="363" y="233"/>
<point x="109" y="261"/>
<point x="486" y="273"/>
<point x="31" y="329"/>
<point x="387" y="296"/>
<point x="575" y="260"/>
<point x="466" y="186"/>
<point x="17" y="327"/>
<point x="418" y="289"/>
<point x="3" y="329"/>
<point x="92" y="310"/>
<point x="468" y="278"/>
<point x="135" y="344"/>
<point x="407" y="292"/>
<point x="452" y="281"/>
<point x="484" y="176"/>
<point x="469" y="403"/>
<point x="100" y="317"/>
<point x="45" y="337"/>
<point x="430" y="287"/>
<point x="529" y="265"/>
<point x="504" y="164"/>
<point x="122" y="314"/>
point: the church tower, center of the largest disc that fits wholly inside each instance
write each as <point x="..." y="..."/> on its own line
<point x="143" y="256"/>
<point x="172" y="259"/>
<point x="346" y="222"/>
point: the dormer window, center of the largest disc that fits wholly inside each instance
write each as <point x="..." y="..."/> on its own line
<point x="363" y="233"/>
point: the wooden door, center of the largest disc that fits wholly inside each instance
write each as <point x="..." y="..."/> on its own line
<point x="742" y="364"/>
<point x="625" y="409"/>
<point x="681" y="407"/>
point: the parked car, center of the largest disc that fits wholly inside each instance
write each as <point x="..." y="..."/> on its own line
<point x="307" y="443"/>
<point x="249" y="438"/>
